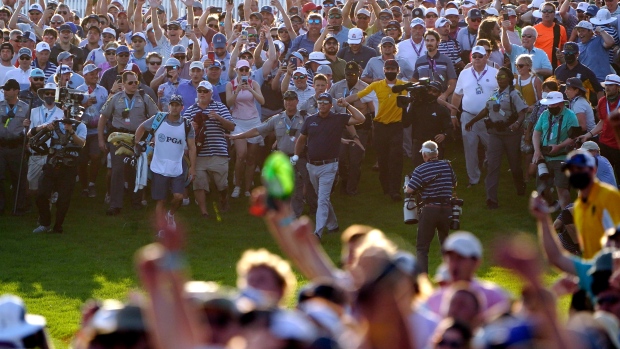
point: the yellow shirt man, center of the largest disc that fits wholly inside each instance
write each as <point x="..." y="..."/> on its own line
<point x="388" y="112"/>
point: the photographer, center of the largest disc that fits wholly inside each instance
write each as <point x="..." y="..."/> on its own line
<point x="550" y="140"/>
<point x="430" y="120"/>
<point x="434" y="181"/>
<point x="504" y="112"/>
<point x="59" y="172"/>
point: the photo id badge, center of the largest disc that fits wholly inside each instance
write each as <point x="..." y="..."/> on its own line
<point x="479" y="90"/>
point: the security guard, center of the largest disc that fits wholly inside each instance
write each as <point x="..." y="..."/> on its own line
<point x="60" y="170"/>
<point x="286" y="127"/>
<point x="430" y="120"/>
<point x="123" y="112"/>
<point x="13" y="114"/>
<point x="352" y="153"/>
<point x="434" y="181"/>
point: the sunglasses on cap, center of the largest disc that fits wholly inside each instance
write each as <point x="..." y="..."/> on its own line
<point x="314" y="21"/>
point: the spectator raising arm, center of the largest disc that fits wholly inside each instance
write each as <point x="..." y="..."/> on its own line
<point x="346" y="13"/>
<point x="174" y="11"/>
<point x="247" y="9"/>
<point x="285" y="18"/>
<point x="287" y="78"/>
<point x="228" y="24"/>
<point x="155" y="19"/>
<point x="137" y="16"/>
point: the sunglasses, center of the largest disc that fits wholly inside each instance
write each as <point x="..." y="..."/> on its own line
<point x="173" y="27"/>
<point x="171" y="68"/>
<point x="62" y="12"/>
<point x="283" y="31"/>
<point x="155" y="62"/>
<point x="6" y="38"/>
<point x="335" y="16"/>
<point x="110" y="53"/>
<point x="213" y="26"/>
<point x="522" y="65"/>
<point x="529" y="36"/>
<point x="124" y="54"/>
<point x="581" y="11"/>
<point x="244" y="69"/>
<point x="252" y="35"/>
<point x="431" y="16"/>
<point x="569" y="53"/>
<point x="391" y="29"/>
<point x="476" y="56"/>
<point x="202" y="90"/>
<point x="363" y="18"/>
<point x="387" y="45"/>
<point x="56" y="22"/>
<point x="131" y="82"/>
<point x="547" y="11"/>
<point x="160" y="12"/>
<point x="323" y="101"/>
<point x="39" y="79"/>
<point x="180" y="57"/>
<point x="475" y="20"/>
<point x="299" y="77"/>
<point x="385" y="18"/>
<point x="24" y="58"/>
<point x="329" y="5"/>
<point x="314" y="21"/>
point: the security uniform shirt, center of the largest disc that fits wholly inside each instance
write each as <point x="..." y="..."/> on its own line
<point x="387" y="111"/>
<point x="139" y="108"/>
<point x="324" y="135"/>
<point x="341" y="90"/>
<point x="588" y="216"/>
<point x="287" y="130"/>
<point x="12" y="127"/>
<point x="506" y="108"/>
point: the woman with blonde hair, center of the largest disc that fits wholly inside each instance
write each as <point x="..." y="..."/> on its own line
<point x="242" y="94"/>
<point x="527" y="82"/>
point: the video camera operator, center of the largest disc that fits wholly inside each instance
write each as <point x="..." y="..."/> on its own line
<point x="434" y="181"/>
<point x="430" y="119"/>
<point x="68" y="137"/>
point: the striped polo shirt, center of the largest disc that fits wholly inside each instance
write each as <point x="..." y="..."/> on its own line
<point x="434" y="179"/>
<point x="215" y="143"/>
<point x="48" y="70"/>
<point x="450" y="48"/>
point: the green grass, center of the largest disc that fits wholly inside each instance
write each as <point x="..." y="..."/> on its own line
<point x="55" y="274"/>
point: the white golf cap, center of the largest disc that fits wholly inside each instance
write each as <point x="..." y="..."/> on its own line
<point x="196" y="64"/>
<point x="205" y="84"/>
<point x="363" y="11"/>
<point x="451" y="11"/>
<point x="612" y="79"/>
<point x="301" y="70"/>
<point x="417" y="21"/>
<point x="43" y="46"/>
<point x="478" y="49"/>
<point x="355" y="36"/>
<point x="589" y="145"/>
<point x="585" y="25"/>
<point x="552" y="98"/>
<point x="463" y="243"/>
<point x="441" y="21"/>
<point x="583" y="6"/>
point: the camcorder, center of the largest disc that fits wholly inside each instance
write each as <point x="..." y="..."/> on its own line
<point x="418" y="91"/>
<point x="68" y="154"/>
<point x="71" y="101"/>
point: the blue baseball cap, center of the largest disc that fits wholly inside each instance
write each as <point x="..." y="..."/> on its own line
<point x="579" y="158"/>
<point x="267" y="9"/>
<point x="122" y="49"/>
<point x="215" y="64"/>
<point x="592" y="10"/>
<point x="37" y="73"/>
<point x="219" y="40"/>
<point x="325" y="96"/>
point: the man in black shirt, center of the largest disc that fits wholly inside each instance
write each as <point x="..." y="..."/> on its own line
<point x="65" y="34"/>
<point x="321" y="133"/>
<point x="430" y="120"/>
<point x="573" y="68"/>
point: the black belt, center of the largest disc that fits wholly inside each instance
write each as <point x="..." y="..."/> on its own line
<point x="323" y="162"/>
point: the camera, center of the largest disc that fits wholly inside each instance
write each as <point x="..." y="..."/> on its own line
<point x="457" y="211"/>
<point x="542" y="170"/>
<point x="67" y="155"/>
<point x="71" y="101"/>
<point x="417" y="92"/>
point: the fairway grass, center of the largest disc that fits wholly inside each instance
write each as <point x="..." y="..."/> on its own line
<point x="56" y="273"/>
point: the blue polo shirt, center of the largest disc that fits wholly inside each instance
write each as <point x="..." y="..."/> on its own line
<point x="540" y="60"/>
<point x="324" y="135"/>
<point x="302" y="42"/>
<point x="592" y="54"/>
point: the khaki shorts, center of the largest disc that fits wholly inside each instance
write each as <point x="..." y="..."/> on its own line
<point x="214" y="166"/>
<point x="35" y="170"/>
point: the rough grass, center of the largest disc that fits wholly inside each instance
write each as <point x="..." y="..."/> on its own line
<point x="55" y="274"/>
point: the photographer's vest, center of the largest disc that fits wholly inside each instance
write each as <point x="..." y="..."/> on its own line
<point x="170" y="143"/>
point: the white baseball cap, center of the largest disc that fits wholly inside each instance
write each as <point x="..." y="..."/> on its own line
<point x="42" y="46"/>
<point x="355" y="36"/>
<point x="35" y="7"/>
<point x="301" y="70"/>
<point x="589" y="145"/>
<point x="463" y="243"/>
<point x="583" y="6"/>
<point x="363" y="11"/>
<point x="417" y="21"/>
<point x="196" y="64"/>
<point x="585" y="25"/>
<point x="431" y="10"/>
<point x="205" y="84"/>
<point x="108" y="30"/>
<point x="491" y="11"/>
<point x="479" y="49"/>
<point x="441" y="21"/>
<point x="451" y="11"/>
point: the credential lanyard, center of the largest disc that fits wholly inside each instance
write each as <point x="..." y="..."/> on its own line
<point x="417" y="51"/>
<point x="48" y="115"/>
<point x="14" y="109"/>
<point x="473" y="72"/>
<point x="609" y="111"/>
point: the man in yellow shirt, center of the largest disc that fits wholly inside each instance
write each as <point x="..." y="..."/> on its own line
<point x="594" y="198"/>
<point x="388" y="129"/>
